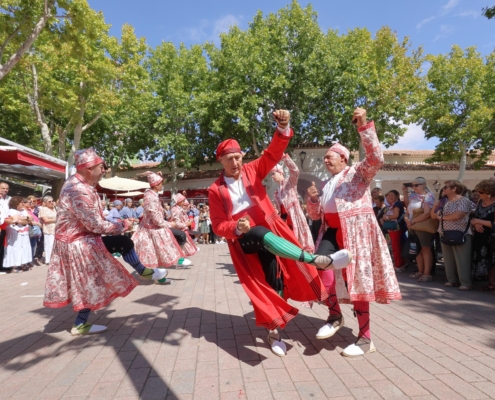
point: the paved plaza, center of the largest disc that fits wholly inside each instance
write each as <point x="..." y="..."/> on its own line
<point x="196" y="339"/>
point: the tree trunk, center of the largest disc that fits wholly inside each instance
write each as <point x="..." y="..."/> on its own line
<point x="173" y="190"/>
<point x="14" y="59"/>
<point x="255" y="145"/>
<point x="462" y="163"/>
<point x="40" y="120"/>
<point x="62" y="136"/>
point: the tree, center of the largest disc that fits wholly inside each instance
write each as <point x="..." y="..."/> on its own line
<point x="178" y="77"/>
<point x="67" y="79"/>
<point x="489" y="12"/>
<point x="119" y="136"/>
<point x="459" y="106"/>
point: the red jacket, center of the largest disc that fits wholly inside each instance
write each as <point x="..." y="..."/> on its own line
<point x="301" y="281"/>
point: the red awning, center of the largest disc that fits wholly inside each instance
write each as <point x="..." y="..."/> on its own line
<point x="8" y="155"/>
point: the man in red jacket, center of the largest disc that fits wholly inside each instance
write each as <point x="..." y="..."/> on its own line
<point x="269" y="261"/>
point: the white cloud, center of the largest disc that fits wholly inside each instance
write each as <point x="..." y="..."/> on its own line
<point x="224" y="24"/>
<point x="211" y="30"/>
<point x="445" y="30"/>
<point x="414" y="139"/>
<point x="425" y="21"/>
<point x="449" y="6"/>
<point x="470" y="13"/>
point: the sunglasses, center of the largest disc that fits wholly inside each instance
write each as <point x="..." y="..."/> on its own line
<point x="417" y="184"/>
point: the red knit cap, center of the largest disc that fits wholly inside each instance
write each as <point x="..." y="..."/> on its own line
<point x="228" y="146"/>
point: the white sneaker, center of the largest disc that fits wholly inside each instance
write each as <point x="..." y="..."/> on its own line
<point x="159" y="273"/>
<point x="330" y="328"/>
<point x="341" y="259"/>
<point x="217" y="242"/>
<point x="87" y="329"/>
<point x="360" y="348"/>
<point x="277" y="346"/>
<point x="186" y="262"/>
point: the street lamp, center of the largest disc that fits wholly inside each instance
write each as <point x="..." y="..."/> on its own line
<point x="436" y="186"/>
<point x="302" y="157"/>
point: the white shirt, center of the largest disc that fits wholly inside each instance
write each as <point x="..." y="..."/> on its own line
<point x="328" y="197"/>
<point x="240" y="199"/>
<point x="4" y="204"/>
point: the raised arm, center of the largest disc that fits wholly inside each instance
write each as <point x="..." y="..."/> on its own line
<point x="291" y="180"/>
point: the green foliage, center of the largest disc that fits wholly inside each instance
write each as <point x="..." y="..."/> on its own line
<point x="489" y="12"/>
<point x="459" y="106"/>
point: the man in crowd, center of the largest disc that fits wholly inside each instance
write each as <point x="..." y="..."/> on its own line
<point x="128" y="212"/>
<point x="269" y="261"/>
<point x="140" y="209"/>
<point x="82" y="271"/>
<point x="4" y="209"/>
<point x="348" y="222"/>
<point x="374" y="195"/>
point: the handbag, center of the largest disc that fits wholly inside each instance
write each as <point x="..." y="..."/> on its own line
<point x="428" y="225"/>
<point x="34" y="231"/>
<point x="393" y="225"/>
<point x="453" y="238"/>
<point x="412" y="247"/>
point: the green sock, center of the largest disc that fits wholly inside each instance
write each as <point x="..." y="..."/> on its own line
<point x="283" y="248"/>
<point x="147" y="273"/>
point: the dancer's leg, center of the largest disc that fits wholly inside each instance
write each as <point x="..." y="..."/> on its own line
<point x="283" y="248"/>
<point x="363" y="344"/>
<point x="125" y="246"/>
<point x="81" y="326"/>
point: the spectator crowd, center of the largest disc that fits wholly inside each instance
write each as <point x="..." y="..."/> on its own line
<point x="421" y="228"/>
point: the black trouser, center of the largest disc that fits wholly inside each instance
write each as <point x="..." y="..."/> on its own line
<point x="179" y="235"/>
<point x="252" y="243"/>
<point x="120" y="243"/>
<point x="328" y="244"/>
<point x="2" y="249"/>
<point x="212" y="237"/>
<point x="315" y="229"/>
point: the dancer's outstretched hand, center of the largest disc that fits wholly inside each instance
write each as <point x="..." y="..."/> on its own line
<point x="282" y="117"/>
<point x="313" y="192"/>
<point x="360" y="117"/>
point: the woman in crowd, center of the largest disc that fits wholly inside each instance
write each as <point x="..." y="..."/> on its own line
<point x="154" y="241"/>
<point x="483" y="259"/>
<point x="48" y="216"/>
<point x="167" y="212"/>
<point x="394" y="218"/>
<point x="454" y="216"/>
<point x="204" y="228"/>
<point x="18" y="253"/>
<point x="420" y="198"/>
<point x="287" y="201"/>
<point x="35" y="233"/>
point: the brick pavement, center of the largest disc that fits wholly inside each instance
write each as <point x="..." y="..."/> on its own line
<point x="196" y="339"/>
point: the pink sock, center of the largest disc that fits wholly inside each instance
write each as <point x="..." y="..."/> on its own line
<point x="362" y="310"/>
<point x="328" y="279"/>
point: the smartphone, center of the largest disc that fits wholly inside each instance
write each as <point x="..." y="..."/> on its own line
<point x="408" y="184"/>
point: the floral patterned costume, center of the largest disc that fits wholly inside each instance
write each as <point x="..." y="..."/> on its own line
<point x="181" y="219"/>
<point x="286" y="196"/>
<point x="82" y="271"/>
<point x="154" y="242"/>
<point x="371" y="275"/>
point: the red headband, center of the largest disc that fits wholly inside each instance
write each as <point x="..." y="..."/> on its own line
<point x="228" y="146"/>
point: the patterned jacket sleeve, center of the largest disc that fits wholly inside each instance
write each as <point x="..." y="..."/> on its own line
<point x="86" y="209"/>
<point x="156" y="214"/>
<point x="176" y="217"/>
<point x="314" y="209"/>
<point x="291" y="181"/>
<point x="373" y="160"/>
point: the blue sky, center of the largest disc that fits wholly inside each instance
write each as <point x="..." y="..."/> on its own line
<point x="434" y="24"/>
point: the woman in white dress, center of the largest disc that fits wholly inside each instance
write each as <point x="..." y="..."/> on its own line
<point x="17" y="245"/>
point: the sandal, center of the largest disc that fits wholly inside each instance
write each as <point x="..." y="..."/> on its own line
<point x="464" y="288"/>
<point x="487" y="288"/>
<point x="416" y="275"/>
<point x="425" y="278"/>
<point x="450" y="284"/>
